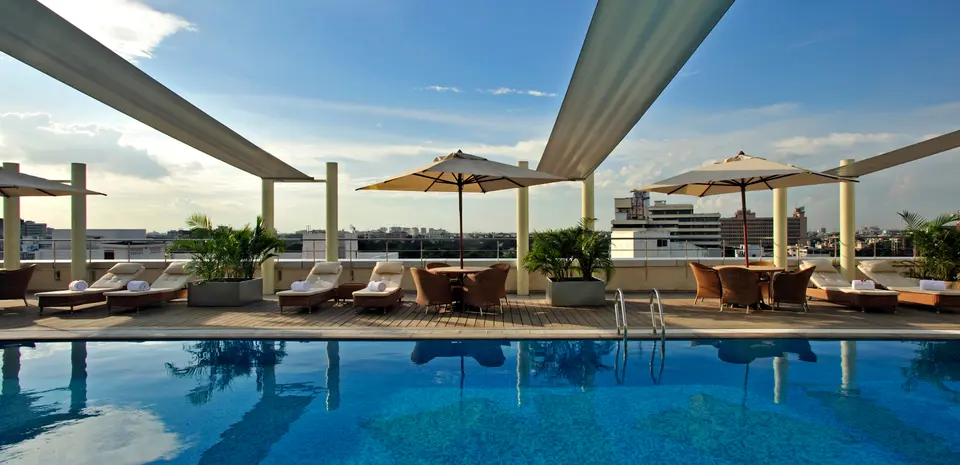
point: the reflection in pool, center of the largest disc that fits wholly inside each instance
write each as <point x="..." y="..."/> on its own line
<point x="707" y="401"/>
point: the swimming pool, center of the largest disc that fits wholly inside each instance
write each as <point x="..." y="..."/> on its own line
<point x="247" y="402"/>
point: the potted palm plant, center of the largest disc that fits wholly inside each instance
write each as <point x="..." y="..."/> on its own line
<point x="936" y="245"/>
<point x="226" y="260"/>
<point x="569" y="258"/>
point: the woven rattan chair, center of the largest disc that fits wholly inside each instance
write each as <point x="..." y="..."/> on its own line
<point x="484" y="289"/>
<point x="740" y="287"/>
<point x="433" y="290"/>
<point x="790" y="287"/>
<point x="708" y="282"/>
<point x="13" y="284"/>
<point x="505" y="267"/>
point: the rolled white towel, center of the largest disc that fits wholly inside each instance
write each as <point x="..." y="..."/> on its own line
<point x="863" y="284"/>
<point x="377" y="286"/>
<point x="80" y="285"/>
<point x="138" y="286"/>
<point x="931" y="285"/>
<point x="300" y="286"/>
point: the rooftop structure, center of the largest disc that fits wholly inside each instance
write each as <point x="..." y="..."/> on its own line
<point x="667" y="221"/>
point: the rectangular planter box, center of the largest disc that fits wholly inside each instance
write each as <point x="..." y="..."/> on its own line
<point x="225" y="294"/>
<point x="576" y="293"/>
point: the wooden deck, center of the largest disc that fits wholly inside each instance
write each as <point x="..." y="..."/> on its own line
<point x="523" y="318"/>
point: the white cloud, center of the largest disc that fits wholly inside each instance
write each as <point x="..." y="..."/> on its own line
<point x="684" y="74"/>
<point x="810" y="145"/>
<point x="128" y="27"/>
<point x="37" y="138"/>
<point x="507" y="91"/>
<point x="442" y="89"/>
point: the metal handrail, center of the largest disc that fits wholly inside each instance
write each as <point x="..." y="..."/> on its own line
<point x="620" y="313"/>
<point x="656" y="302"/>
<point x="620" y="364"/>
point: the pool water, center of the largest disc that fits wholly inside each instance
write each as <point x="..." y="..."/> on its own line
<point x="550" y="402"/>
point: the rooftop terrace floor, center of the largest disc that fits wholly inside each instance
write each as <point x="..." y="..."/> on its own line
<point x="523" y="318"/>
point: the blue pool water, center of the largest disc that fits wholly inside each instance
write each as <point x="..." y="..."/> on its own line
<point x="710" y="402"/>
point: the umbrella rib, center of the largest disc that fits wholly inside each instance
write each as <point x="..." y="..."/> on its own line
<point x="46" y="192"/>
<point x="436" y="179"/>
<point x="677" y="189"/>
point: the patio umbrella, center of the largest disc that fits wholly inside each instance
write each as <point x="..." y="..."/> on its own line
<point x="741" y="173"/>
<point x="461" y="172"/>
<point x="14" y="184"/>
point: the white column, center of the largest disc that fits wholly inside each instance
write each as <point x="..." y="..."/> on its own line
<point x="848" y="368"/>
<point x="332" y="241"/>
<point x="780" y="369"/>
<point x="78" y="223"/>
<point x="848" y="240"/>
<point x="523" y="369"/>
<point x="523" y="235"/>
<point x="11" y="226"/>
<point x="780" y="227"/>
<point x="268" y="268"/>
<point x="587" y="202"/>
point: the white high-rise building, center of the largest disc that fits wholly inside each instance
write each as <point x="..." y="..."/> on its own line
<point x="673" y="229"/>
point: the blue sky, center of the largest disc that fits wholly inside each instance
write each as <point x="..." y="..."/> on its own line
<point x="382" y="86"/>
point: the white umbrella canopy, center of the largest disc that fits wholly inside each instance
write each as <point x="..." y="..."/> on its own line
<point x="741" y="173"/>
<point x="461" y="172"/>
<point x="14" y="184"/>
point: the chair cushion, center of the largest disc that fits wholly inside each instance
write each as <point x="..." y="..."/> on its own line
<point x="312" y="291"/>
<point x="917" y="290"/>
<point x="170" y="281"/>
<point x="326" y="268"/>
<point x="126" y="268"/>
<point x="383" y="268"/>
<point x="384" y="293"/>
<point x="177" y="268"/>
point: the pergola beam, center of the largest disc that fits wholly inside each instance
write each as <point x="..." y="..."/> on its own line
<point x="33" y="34"/>
<point x="632" y="50"/>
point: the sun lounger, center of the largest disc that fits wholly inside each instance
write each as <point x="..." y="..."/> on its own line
<point x="391" y="274"/>
<point x="172" y="284"/>
<point x="883" y="273"/>
<point x="323" y="280"/>
<point x="831" y="286"/>
<point x="115" y="279"/>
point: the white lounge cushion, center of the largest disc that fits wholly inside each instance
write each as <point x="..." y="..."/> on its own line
<point x="917" y="290"/>
<point x="849" y="290"/>
<point x="69" y="292"/>
<point x="369" y="293"/>
<point x="825" y="276"/>
<point x="324" y="276"/>
<point x="118" y="276"/>
<point x="885" y="274"/>
<point x="391" y="273"/>
<point x="312" y="291"/>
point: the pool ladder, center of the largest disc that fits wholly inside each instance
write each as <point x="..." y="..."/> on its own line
<point x="656" y="312"/>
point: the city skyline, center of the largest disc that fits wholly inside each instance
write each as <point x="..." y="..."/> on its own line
<point x="803" y="101"/>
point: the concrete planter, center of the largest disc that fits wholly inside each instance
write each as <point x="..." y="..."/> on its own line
<point x="225" y="293"/>
<point x="576" y="293"/>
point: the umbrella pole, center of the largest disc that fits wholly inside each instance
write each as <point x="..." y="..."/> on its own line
<point x="743" y="211"/>
<point x="460" y="211"/>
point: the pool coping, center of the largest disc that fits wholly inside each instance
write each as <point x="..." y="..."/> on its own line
<point x="174" y="334"/>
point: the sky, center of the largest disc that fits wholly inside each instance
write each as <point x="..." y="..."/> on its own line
<point x="384" y="86"/>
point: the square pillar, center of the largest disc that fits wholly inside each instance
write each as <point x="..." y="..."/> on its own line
<point x="523" y="235"/>
<point x="332" y="241"/>
<point x="780" y="227"/>
<point x="11" y="226"/>
<point x="848" y="239"/>
<point x="78" y="223"/>
<point x="587" y="202"/>
<point x="267" y="269"/>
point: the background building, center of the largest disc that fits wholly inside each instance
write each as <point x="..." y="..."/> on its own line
<point x="760" y="229"/>
<point x="674" y="227"/>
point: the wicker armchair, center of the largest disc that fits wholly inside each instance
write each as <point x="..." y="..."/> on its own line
<point x="13" y="284"/>
<point x="790" y="287"/>
<point x="708" y="282"/>
<point x="485" y="288"/>
<point x="433" y="290"/>
<point x="505" y="267"/>
<point x="740" y="287"/>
